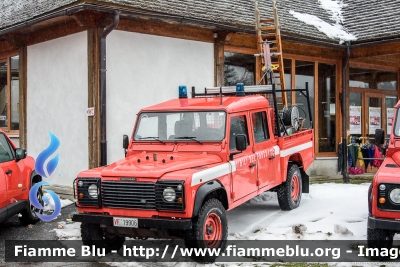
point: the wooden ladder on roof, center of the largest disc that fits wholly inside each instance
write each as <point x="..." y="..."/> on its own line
<point x="270" y="50"/>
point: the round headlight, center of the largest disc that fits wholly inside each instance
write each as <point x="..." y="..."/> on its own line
<point x="169" y="194"/>
<point x="395" y="195"/>
<point x="80" y="183"/>
<point x="92" y="190"/>
<point x="382" y="187"/>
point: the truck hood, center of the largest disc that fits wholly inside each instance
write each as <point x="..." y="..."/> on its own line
<point x="146" y="166"/>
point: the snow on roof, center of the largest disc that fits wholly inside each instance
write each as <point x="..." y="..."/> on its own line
<point x="332" y="31"/>
<point x="334" y="7"/>
<point x="366" y="19"/>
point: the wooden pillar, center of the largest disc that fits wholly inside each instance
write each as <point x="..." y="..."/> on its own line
<point x="219" y="70"/>
<point x="93" y="98"/>
<point x="92" y="20"/>
<point x="23" y="140"/>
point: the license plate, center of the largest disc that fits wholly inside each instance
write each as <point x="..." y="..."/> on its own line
<point x="124" y="222"/>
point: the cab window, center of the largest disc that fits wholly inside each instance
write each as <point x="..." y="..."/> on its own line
<point x="238" y="126"/>
<point x="6" y="153"/>
<point x="260" y="127"/>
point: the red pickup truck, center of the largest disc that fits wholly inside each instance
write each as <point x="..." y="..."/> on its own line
<point x="189" y="160"/>
<point x="384" y="193"/>
<point x="17" y="176"/>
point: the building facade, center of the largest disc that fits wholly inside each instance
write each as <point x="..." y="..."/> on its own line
<point x="52" y="76"/>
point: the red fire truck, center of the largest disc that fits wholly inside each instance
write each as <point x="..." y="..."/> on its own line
<point x="384" y="193"/>
<point x="189" y="160"/>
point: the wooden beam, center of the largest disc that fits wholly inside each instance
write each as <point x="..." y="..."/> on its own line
<point x="159" y="29"/>
<point x="311" y="50"/>
<point x="375" y="50"/>
<point x="52" y="32"/>
<point x="243" y="41"/>
<point x="89" y="19"/>
<point x="23" y="130"/>
<point x="6" y="48"/>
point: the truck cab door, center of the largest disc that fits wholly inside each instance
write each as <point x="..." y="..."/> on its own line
<point x="244" y="178"/>
<point x="10" y="170"/>
<point x="264" y="150"/>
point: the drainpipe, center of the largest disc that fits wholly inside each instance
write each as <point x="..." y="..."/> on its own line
<point x="103" y="95"/>
<point x="346" y="178"/>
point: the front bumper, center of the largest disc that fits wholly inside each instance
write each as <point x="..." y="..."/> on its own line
<point x="387" y="224"/>
<point x="182" y="224"/>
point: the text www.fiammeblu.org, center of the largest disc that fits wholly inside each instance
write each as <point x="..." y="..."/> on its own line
<point x="234" y="251"/>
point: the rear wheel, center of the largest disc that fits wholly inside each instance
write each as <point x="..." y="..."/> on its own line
<point x="28" y="216"/>
<point x="289" y="193"/>
<point x="379" y="238"/>
<point x="93" y="234"/>
<point x="210" y="230"/>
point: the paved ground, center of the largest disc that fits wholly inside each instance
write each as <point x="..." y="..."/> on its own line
<point x="13" y="229"/>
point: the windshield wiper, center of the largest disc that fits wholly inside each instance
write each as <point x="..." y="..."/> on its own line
<point x="151" y="137"/>
<point x="188" y="137"/>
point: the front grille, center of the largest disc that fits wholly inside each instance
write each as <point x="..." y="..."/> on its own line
<point x="162" y="204"/>
<point x="129" y="195"/>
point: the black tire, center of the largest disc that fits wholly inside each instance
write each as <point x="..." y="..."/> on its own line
<point x="379" y="238"/>
<point x="93" y="234"/>
<point x="28" y="216"/>
<point x="289" y="193"/>
<point x="214" y="235"/>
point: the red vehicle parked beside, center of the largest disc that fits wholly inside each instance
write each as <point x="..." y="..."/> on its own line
<point x="17" y="176"/>
<point x="188" y="161"/>
<point x="384" y="193"/>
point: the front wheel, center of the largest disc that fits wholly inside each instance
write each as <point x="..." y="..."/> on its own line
<point x="29" y="216"/>
<point x="289" y="193"/>
<point x="94" y="234"/>
<point x="210" y="230"/>
<point x="379" y="238"/>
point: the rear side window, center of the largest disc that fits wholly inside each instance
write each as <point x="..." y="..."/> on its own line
<point x="260" y="127"/>
<point x="238" y="126"/>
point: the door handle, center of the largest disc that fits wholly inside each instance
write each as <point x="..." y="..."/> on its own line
<point x="8" y="171"/>
<point x="252" y="165"/>
<point x="271" y="158"/>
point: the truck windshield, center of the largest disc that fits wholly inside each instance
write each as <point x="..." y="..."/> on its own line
<point x="176" y="126"/>
<point x="396" y="130"/>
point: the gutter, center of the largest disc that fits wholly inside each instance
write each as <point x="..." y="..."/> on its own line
<point x="103" y="87"/>
<point x="345" y="174"/>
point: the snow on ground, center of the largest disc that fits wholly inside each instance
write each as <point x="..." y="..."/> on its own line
<point x="329" y="212"/>
<point x="50" y="205"/>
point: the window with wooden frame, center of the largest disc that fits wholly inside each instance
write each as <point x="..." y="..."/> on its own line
<point x="323" y="77"/>
<point x="373" y="94"/>
<point x="238" y="68"/>
<point x="9" y="94"/>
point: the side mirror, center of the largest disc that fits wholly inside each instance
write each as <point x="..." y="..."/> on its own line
<point x="20" y="153"/>
<point x="241" y="142"/>
<point x="125" y="141"/>
<point x="379" y="136"/>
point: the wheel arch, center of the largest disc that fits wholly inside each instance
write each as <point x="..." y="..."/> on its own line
<point x="211" y="189"/>
<point x="35" y="177"/>
<point x="305" y="179"/>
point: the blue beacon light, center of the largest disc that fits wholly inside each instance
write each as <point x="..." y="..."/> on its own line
<point x="240" y="89"/>
<point x="182" y="91"/>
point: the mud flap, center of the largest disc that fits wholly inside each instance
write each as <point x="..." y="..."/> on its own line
<point x="305" y="181"/>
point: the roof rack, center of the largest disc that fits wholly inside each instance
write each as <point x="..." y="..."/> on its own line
<point x="268" y="90"/>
